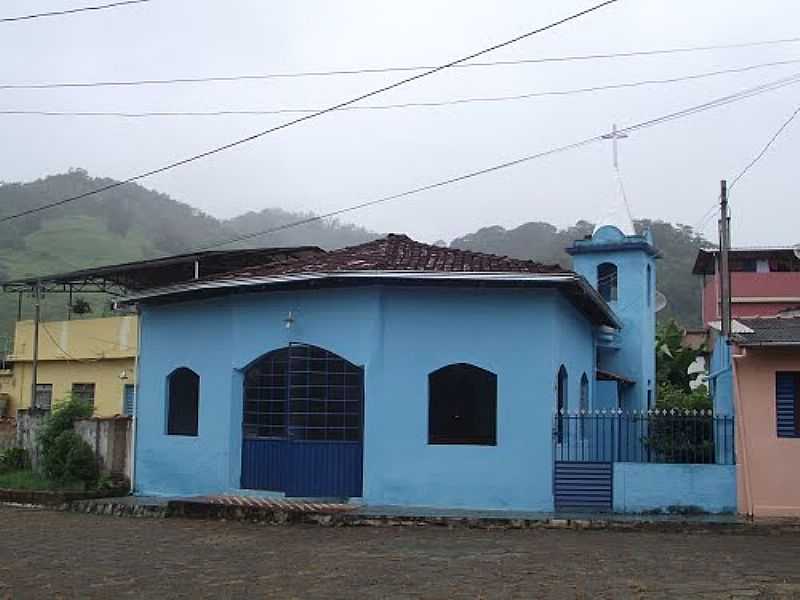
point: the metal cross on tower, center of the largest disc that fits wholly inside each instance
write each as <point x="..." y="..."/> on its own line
<point x="615" y="136"/>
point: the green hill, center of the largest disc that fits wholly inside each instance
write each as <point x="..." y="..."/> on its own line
<point x="132" y="222"/>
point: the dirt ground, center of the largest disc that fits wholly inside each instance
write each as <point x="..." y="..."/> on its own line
<point x="46" y="554"/>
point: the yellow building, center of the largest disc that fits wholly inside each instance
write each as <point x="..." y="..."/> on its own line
<point x="94" y="359"/>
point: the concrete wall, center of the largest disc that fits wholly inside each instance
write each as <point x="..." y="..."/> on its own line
<point x="111" y="441"/>
<point x="109" y="438"/>
<point x="399" y="335"/>
<point x="28" y="424"/>
<point x="646" y="487"/>
<point x="769" y="485"/>
<point x="8" y="434"/>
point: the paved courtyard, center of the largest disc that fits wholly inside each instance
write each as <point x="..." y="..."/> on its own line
<point x="47" y="554"/>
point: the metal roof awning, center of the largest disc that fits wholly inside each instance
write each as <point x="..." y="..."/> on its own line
<point x="143" y="274"/>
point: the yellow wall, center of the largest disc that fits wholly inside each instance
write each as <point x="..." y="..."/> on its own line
<point x="112" y="337"/>
<point x="108" y="387"/>
<point x="82" y="351"/>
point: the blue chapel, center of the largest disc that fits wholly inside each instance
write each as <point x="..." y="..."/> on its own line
<point x="390" y="373"/>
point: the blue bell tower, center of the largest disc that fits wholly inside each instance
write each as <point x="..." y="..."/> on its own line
<point x="621" y="266"/>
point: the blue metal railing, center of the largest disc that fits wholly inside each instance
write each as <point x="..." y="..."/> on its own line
<point x="681" y="437"/>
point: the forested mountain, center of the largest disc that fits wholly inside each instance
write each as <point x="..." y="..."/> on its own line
<point x="131" y="222"/>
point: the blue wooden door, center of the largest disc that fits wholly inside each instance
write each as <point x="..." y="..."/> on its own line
<point x="128" y="399"/>
<point x="303" y="424"/>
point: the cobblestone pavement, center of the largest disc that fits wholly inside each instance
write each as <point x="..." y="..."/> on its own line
<point x="47" y="554"/>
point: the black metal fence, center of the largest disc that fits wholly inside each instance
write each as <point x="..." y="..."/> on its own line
<point x="687" y="437"/>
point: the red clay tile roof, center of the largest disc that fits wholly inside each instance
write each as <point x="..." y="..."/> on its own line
<point x="397" y="252"/>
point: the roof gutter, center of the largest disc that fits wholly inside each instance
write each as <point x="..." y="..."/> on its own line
<point x="433" y="276"/>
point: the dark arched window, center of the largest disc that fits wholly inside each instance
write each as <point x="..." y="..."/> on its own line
<point x="649" y="290"/>
<point x="462" y="406"/>
<point x="561" y="403"/>
<point x="607" y="281"/>
<point x="584" y="402"/>
<point x="183" y="392"/>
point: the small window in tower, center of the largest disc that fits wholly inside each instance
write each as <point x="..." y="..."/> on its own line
<point x="607" y="281"/>
<point x="649" y="286"/>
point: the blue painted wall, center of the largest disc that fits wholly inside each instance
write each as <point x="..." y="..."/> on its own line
<point x="720" y="377"/>
<point x="399" y="335"/>
<point x="635" y="307"/>
<point x="645" y="487"/>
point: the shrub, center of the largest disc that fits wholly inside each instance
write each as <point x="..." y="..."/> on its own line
<point x="14" y="459"/>
<point x="71" y="459"/>
<point x="64" y="457"/>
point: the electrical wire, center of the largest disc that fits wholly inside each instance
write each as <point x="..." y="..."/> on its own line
<point x="431" y="104"/>
<point x="378" y="70"/>
<point x="714" y="208"/>
<point x="794" y="79"/>
<point x="764" y="150"/>
<point x="330" y="109"/>
<point x="70" y="11"/>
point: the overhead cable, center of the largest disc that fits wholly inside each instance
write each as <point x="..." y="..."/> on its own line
<point x="793" y="80"/>
<point x="70" y="11"/>
<point x="403" y="105"/>
<point x="330" y="109"/>
<point x="378" y="70"/>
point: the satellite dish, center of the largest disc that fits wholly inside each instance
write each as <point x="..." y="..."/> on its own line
<point x="796" y="250"/>
<point x="661" y="301"/>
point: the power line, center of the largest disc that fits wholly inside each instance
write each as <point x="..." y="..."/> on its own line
<point x="330" y="109"/>
<point x="764" y="149"/>
<point x="712" y="210"/>
<point x="378" y="70"/>
<point x="430" y="104"/>
<point x="642" y="125"/>
<point x="70" y="11"/>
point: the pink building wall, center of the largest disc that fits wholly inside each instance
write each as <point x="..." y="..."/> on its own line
<point x="768" y="467"/>
<point x="753" y="285"/>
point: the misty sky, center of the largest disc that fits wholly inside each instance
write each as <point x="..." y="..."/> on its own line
<point x="672" y="172"/>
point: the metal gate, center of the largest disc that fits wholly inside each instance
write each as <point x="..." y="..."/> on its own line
<point x="583" y="455"/>
<point x="583" y="486"/>
<point x="303" y="424"/>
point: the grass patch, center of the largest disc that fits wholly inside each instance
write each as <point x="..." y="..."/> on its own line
<point x="30" y="480"/>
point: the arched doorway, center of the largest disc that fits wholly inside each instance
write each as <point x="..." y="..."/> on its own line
<point x="303" y="424"/>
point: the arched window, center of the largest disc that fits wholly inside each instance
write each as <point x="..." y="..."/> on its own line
<point x="462" y="406"/>
<point x="584" y="402"/>
<point x="607" y="281"/>
<point x="561" y="403"/>
<point x="183" y="392"/>
<point x="649" y="291"/>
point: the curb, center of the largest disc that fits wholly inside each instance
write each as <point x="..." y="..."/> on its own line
<point x="183" y="509"/>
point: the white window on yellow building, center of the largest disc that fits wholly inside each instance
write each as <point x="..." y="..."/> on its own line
<point x="83" y="392"/>
<point x="44" y="396"/>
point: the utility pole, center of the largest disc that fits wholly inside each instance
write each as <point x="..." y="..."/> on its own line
<point x="36" y="315"/>
<point x="724" y="270"/>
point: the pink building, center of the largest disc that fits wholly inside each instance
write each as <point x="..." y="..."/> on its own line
<point x="764" y="281"/>
<point x="766" y="385"/>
